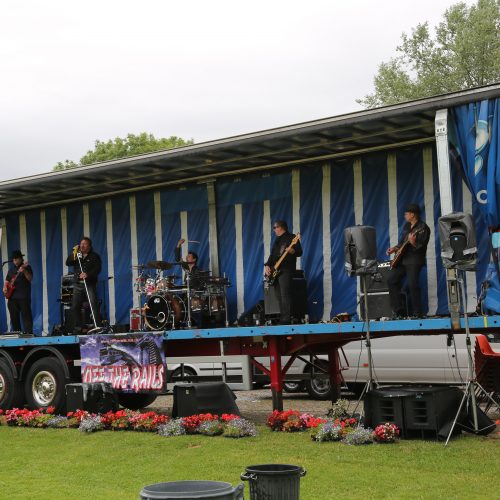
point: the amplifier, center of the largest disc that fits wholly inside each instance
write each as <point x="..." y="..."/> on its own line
<point x="377" y="282"/>
<point x="379" y="305"/>
<point x="299" y="297"/>
<point x="95" y="398"/>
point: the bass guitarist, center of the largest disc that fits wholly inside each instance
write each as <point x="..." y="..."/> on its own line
<point x="17" y="289"/>
<point x="414" y="238"/>
<point x="284" y="279"/>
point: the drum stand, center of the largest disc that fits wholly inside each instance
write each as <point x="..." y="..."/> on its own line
<point x="188" y="283"/>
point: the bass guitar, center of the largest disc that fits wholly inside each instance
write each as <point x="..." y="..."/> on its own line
<point x="275" y="271"/>
<point x="398" y="256"/>
<point x="10" y="286"/>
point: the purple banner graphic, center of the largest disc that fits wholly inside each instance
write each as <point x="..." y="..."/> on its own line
<point x="130" y="362"/>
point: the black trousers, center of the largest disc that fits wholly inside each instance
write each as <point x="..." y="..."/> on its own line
<point x="21" y="308"/>
<point x="284" y="291"/>
<point x="394" y="281"/>
<point x="79" y="298"/>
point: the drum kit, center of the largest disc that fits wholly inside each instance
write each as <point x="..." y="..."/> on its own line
<point x="167" y="302"/>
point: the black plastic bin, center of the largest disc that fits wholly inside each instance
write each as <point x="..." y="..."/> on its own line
<point x="274" y="481"/>
<point x="192" y="490"/>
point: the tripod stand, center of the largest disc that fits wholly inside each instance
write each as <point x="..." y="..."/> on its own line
<point x="472" y="387"/>
<point x="370" y="383"/>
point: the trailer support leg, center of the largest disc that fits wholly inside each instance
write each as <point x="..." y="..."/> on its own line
<point x="335" y="372"/>
<point x="276" y="374"/>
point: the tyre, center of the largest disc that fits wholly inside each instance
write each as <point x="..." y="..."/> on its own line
<point x="134" y="401"/>
<point x="45" y="385"/>
<point x="319" y="388"/>
<point x="176" y="375"/>
<point x="11" y="394"/>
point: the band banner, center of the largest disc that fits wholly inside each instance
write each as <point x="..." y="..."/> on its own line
<point x="130" y="362"/>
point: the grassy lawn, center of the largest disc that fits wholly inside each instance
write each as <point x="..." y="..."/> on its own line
<point x="64" y="463"/>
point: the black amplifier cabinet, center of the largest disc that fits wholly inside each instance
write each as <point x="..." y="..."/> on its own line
<point x="299" y="298"/>
<point x="379" y="305"/>
<point x="377" y="282"/>
<point x="98" y="397"/>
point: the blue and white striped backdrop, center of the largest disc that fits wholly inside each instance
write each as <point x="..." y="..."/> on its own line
<point x="317" y="200"/>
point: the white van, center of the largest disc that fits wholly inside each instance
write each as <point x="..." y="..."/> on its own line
<point x="404" y="359"/>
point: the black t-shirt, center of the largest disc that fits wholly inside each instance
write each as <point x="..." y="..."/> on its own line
<point x="91" y="264"/>
<point x="23" y="286"/>
<point x="281" y="243"/>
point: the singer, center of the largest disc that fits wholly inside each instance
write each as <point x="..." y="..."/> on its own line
<point x="87" y="266"/>
<point x="17" y="289"/>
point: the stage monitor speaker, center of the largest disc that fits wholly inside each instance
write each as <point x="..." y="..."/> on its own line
<point x="299" y="297"/>
<point x="385" y="405"/>
<point x="98" y="397"/>
<point x="360" y="250"/>
<point x="458" y="241"/>
<point x="377" y="282"/>
<point x="203" y="397"/>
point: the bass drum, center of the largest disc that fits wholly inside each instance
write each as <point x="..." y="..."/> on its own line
<point x="164" y="311"/>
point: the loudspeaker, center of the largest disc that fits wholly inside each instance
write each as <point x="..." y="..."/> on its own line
<point x="203" y="397"/>
<point x="377" y="282"/>
<point x="379" y="305"/>
<point x="299" y="297"/>
<point x="98" y="397"/>
<point x="385" y="405"/>
<point x="360" y="250"/>
<point x="458" y="241"/>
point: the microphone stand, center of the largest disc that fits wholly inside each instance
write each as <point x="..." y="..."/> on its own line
<point x="79" y="257"/>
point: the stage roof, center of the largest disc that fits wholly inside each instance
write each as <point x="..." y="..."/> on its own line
<point x="337" y="137"/>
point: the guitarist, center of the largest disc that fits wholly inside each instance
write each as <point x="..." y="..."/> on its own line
<point x="287" y="267"/>
<point x="19" y="303"/>
<point x="416" y="232"/>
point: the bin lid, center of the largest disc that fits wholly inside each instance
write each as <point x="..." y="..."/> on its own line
<point x="187" y="490"/>
<point x="274" y="469"/>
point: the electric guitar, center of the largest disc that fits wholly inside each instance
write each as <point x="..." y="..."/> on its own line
<point x="275" y="271"/>
<point x="398" y="256"/>
<point x="11" y="285"/>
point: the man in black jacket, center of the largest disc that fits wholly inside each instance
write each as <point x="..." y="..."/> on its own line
<point x="416" y="232"/>
<point x="89" y="271"/>
<point x="19" y="303"/>
<point x="287" y="267"/>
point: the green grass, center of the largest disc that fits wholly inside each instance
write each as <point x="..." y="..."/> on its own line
<point x="53" y="463"/>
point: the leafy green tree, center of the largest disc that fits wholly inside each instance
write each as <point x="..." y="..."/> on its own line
<point x="121" y="148"/>
<point x="463" y="53"/>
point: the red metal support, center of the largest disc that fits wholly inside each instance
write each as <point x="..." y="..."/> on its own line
<point x="335" y="372"/>
<point x="276" y="373"/>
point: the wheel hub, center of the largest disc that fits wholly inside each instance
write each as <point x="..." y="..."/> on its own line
<point x="44" y="388"/>
<point x="2" y="387"/>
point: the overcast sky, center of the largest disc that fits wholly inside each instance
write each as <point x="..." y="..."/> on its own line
<point x="76" y="71"/>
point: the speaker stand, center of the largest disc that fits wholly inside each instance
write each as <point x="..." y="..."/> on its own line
<point x="472" y="387"/>
<point x="370" y="383"/>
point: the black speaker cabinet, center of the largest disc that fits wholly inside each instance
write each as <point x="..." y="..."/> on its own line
<point x="360" y="250"/>
<point x="95" y="398"/>
<point x="299" y="297"/>
<point x="385" y="405"/>
<point x="203" y="397"/>
<point x="377" y="282"/>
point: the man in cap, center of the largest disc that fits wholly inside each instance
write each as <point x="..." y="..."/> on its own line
<point x="414" y="238"/>
<point x="17" y="288"/>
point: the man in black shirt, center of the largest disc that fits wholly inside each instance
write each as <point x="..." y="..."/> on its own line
<point x="19" y="303"/>
<point x="191" y="263"/>
<point x="416" y="233"/>
<point x="89" y="271"/>
<point x="287" y="267"/>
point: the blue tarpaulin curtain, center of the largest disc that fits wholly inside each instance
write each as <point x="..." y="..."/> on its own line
<point x="476" y="136"/>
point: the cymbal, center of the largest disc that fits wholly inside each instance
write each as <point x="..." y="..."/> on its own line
<point x="139" y="266"/>
<point x="159" y="264"/>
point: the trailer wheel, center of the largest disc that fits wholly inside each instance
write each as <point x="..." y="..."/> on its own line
<point x="45" y="385"/>
<point x="176" y="375"/>
<point x="134" y="401"/>
<point x="319" y="388"/>
<point x="11" y="394"/>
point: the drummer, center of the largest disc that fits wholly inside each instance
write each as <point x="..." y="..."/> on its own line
<point x="191" y="263"/>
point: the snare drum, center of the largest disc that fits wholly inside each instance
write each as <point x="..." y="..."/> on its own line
<point x="150" y="286"/>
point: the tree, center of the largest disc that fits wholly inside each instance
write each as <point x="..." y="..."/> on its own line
<point x="121" y="148"/>
<point x="464" y="53"/>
